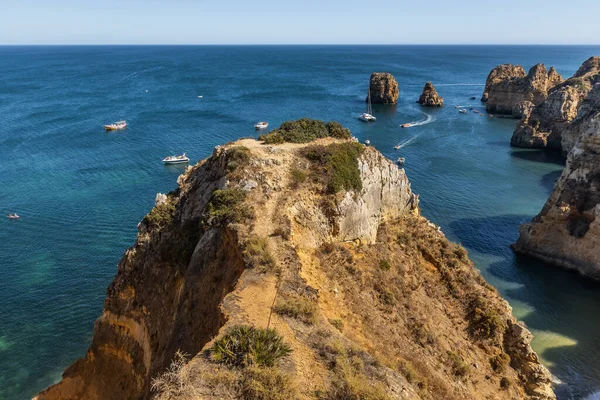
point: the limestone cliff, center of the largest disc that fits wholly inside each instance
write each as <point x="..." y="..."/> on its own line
<point x="430" y="97"/>
<point x="500" y="74"/>
<point x="550" y="124"/>
<point x="509" y="88"/>
<point x="383" y="88"/>
<point x="321" y="242"/>
<point x="567" y="230"/>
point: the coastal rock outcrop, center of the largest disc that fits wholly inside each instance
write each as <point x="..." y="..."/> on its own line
<point x="506" y="91"/>
<point x="383" y="88"/>
<point x="549" y="125"/>
<point x="430" y="97"/>
<point x="362" y="296"/>
<point x="499" y="74"/>
<point x="567" y="230"/>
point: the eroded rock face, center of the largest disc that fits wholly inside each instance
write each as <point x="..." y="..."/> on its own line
<point x="500" y="74"/>
<point x="567" y="230"/>
<point x="430" y="97"/>
<point x="383" y="88"/>
<point x="188" y="280"/>
<point x="504" y="94"/>
<point x="550" y="124"/>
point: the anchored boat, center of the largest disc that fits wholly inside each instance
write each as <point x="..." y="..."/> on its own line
<point x="182" y="159"/>
<point x="400" y="161"/>
<point x="368" y="116"/>
<point x="261" y="125"/>
<point x="14" y="216"/>
<point x="116" y="126"/>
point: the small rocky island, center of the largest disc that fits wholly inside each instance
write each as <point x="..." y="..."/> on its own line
<point x="299" y="267"/>
<point x="430" y="97"/>
<point x="383" y="88"/>
<point x="508" y="91"/>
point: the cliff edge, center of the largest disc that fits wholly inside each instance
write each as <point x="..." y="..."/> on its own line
<point x="298" y="267"/>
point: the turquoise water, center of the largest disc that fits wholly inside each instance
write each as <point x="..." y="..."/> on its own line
<point x="82" y="191"/>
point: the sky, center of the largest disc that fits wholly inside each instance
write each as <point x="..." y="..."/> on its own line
<point x="299" y="22"/>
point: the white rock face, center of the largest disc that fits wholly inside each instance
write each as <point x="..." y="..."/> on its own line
<point x="386" y="194"/>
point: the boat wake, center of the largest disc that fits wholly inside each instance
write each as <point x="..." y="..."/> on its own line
<point x="429" y="119"/>
<point x="407" y="142"/>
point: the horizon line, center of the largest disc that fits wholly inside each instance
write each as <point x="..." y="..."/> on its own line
<point x="292" y="44"/>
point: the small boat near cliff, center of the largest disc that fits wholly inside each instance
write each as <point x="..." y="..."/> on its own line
<point x="401" y="160"/>
<point x="182" y="159"/>
<point x="367" y="142"/>
<point x="14" y="216"/>
<point x="261" y="125"/>
<point x="116" y="126"/>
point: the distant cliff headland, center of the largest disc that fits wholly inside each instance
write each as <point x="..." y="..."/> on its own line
<point x="298" y="266"/>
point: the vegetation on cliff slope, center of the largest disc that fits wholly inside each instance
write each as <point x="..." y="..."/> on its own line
<point x="336" y="165"/>
<point x="305" y="130"/>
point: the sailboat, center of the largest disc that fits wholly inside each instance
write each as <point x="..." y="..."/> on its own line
<point x="368" y="116"/>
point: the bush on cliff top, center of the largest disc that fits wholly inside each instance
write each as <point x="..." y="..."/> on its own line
<point x="337" y="164"/>
<point x="305" y="130"/>
<point x="246" y="345"/>
<point x="227" y="206"/>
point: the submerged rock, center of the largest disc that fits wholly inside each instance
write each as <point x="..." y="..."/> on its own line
<point x="383" y="88"/>
<point x="510" y="89"/>
<point x="567" y="230"/>
<point x="430" y="97"/>
<point x="339" y="253"/>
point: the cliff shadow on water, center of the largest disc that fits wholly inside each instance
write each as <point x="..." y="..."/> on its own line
<point x="565" y="328"/>
<point x="541" y="156"/>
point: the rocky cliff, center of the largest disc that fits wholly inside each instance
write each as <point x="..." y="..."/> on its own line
<point x="551" y="124"/>
<point x="383" y="88"/>
<point x="506" y="88"/>
<point x="430" y="97"/>
<point x="300" y="270"/>
<point x="567" y="230"/>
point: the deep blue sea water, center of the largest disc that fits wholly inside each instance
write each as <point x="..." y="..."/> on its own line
<point x="81" y="191"/>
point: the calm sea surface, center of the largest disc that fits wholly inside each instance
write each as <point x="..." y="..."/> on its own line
<point x="81" y="191"/>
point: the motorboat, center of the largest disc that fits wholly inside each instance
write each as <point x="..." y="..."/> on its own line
<point x="463" y="111"/>
<point x="476" y="111"/>
<point x="407" y="125"/>
<point x="367" y="141"/>
<point x="401" y="160"/>
<point x="261" y="125"/>
<point x="116" y="126"/>
<point x="397" y="147"/>
<point x="14" y="216"/>
<point x="182" y="159"/>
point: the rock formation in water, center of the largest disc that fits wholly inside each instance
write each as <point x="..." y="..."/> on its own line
<point x="499" y="74"/>
<point x="508" y="88"/>
<point x="383" y="88"/>
<point x="430" y="97"/>
<point x="550" y="124"/>
<point x="567" y="230"/>
<point x="323" y="243"/>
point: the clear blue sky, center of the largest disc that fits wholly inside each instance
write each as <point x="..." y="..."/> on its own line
<point x="299" y="22"/>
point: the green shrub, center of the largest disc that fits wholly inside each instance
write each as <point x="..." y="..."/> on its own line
<point x="237" y="156"/>
<point x="485" y="322"/>
<point x="504" y="383"/>
<point x="161" y="215"/>
<point x="297" y="177"/>
<point x="459" y="367"/>
<point x="267" y="384"/>
<point x="247" y="345"/>
<point x="257" y="254"/>
<point x="305" y="130"/>
<point x="499" y="362"/>
<point x="297" y="307"/>
<point x="338" y="165"/>
<point x="384" y="265"/>
<point x="387" y="297"/>
<point x="227" y="206"/>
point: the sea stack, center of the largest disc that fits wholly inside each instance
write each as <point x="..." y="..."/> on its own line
<point x="430" y="97"/>
<point x="567" y="230"/>
<point x="552" y="124"/>
<point x="507" y="87"/>
<point x="320" y="239"/>
<point x="383" y="88"/>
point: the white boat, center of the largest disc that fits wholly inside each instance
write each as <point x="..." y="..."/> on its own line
<point x="14" y="216"/>
<point x="367" y="141"/>
<point x="463" y="111"/>
<point x="401" y="161"/>
<point x="407" y="125"/>
<point x="182" y="159"/>
<point x="368" y="116"/>
<point x="397" y="147"/>
<point x="261" y="125"/>
<point x="199" y="97"/>
<point x="116" y="126"/>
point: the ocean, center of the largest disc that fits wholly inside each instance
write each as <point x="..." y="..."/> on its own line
<point x="81" y="191"/>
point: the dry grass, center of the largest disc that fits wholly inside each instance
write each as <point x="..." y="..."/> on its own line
<point x="298" y="307"/>
<point x="257" y="255"/>
<point x="267" y="384"/>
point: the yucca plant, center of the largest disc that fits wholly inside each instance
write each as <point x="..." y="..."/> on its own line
<point x="247" y="345"/>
